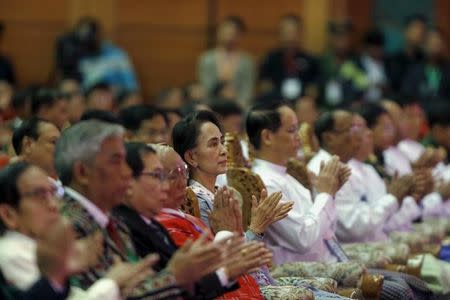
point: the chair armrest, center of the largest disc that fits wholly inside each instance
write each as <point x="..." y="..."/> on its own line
<point x="372" y="285"/>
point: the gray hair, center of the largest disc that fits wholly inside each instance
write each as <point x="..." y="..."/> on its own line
<point x="81" y="142"/>
<point x="162" y="150"/>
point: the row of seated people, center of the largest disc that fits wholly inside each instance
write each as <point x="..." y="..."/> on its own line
<point x="18" y="261"/>
<point x="350" y="215"/>
<point x="95" y="170"/>
<point x="297" y="230"/>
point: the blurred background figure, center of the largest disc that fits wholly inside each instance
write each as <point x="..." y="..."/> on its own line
<point x="412" y="52"/>
<point x="129" y="98"/>
<point x="70" y="87"/>
<point x="373" y="63"/>
<point x="342" y="79"/>
<point x="100" y="96"/>
<point x="171" y="98"/>
<point x="288" y="69"/>
<point x="50" y="105"/>
<point x="227" y="63"/>
<point x="84" y="52"/>
<point x="6" y="67"/>
<point x="430" y="78"/>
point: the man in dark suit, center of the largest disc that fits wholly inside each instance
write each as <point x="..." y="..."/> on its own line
<point x="411" y="54"/>
<point x="430" y="79"/>
<point x="289" y="70"/>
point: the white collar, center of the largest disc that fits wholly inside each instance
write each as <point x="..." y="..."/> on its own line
<point x="20" y="237"/>
<point x="267" y="164"/>
<point x="324" y="154"/>
<point x="355" y="163"/>
<point x="172" y="211"/>
<point x="99" y="216"/>
<point x="146" y="220"/>
<point x="197" y="187"/>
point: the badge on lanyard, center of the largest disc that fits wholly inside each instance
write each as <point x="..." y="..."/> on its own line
<point x="333" y="92"/>
<point x="291" y="88"/>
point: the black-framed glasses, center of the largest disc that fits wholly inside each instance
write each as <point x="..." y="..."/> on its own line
<point x="179" y="172"/>
<point x="159" y="175"/>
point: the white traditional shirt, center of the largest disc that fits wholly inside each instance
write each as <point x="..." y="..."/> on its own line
<point x="375" y="188"/>
<point x="411" y="149"/>
<point x="396" y="162"/>
<point x="358" y="219"/>
<point x="18" y="263"/>
<point x="301" y="235"/>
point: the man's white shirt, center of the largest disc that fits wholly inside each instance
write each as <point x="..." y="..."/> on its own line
<point x="358" y="219"/>
<point x="300" y="236"/>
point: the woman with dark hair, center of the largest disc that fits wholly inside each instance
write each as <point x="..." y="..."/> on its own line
<point x="198" y="139"/>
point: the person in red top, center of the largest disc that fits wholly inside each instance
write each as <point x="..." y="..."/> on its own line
<point x="183" y="227"/>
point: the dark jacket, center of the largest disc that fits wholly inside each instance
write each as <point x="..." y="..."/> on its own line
<point x="275" y="68"/>
<point x="150" y="239"/>
<point x="416" y="84"/>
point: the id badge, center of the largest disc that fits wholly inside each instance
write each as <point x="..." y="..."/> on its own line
<point x="291" y="88"/>
<point x="333" y="92"/>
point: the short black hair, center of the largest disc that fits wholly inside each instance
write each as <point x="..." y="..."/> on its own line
<point x="21" y="97"/>
<point x="8" y="186"/>
<point x="225" y="108"/>
<point x="133" y="116"/>
<point x="125" y="94"/>
<point x="190" y="107"/>
<point x="101" y="115"/>
<point x="262" y="116"/>
<point x="371" y="112"/>
<point x="186" y="132"/>
<point x="172" y="111"/>
<point x="103" y="86"/>
<point x="29" y="128"/>
<point x="135" y="151"/>
<point x="374" y="37"/>
<point x="45" y="97"/>
<point x="324" y="123"/>
<point x="416" y="18"/>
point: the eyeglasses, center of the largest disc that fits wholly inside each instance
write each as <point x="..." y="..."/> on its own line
<point x="159" y="175"/>
<point x="179" y="172"/>
<point x="45" y="193"/>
